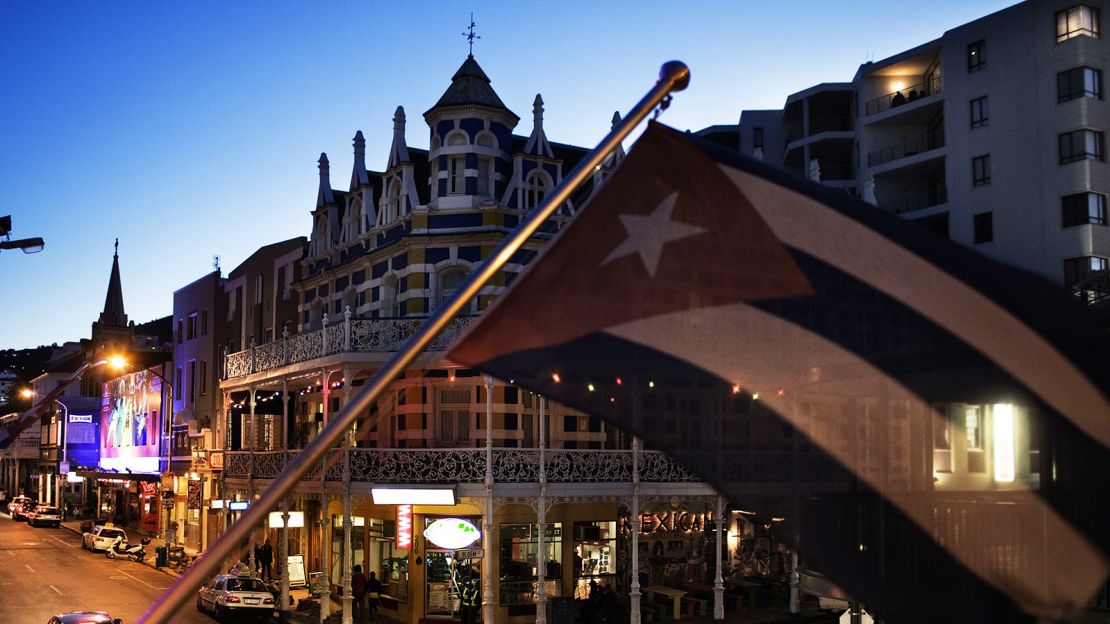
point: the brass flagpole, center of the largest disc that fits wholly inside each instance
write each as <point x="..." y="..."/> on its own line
<point x="673" y="76"/>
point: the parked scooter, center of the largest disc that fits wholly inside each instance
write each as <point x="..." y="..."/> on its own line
<point x="122" y="550"/>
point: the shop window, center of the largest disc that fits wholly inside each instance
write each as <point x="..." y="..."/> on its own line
<point x="382" y="555"/>
<point x="520" y="560"/>
<point x="973" y="430"/>
<point x="1077" y="21"/>
<point x="595" y="556"/>
<point x="444" y="575"/>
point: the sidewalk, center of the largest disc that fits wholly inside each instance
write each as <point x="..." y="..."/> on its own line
<point x="155" y="542"/>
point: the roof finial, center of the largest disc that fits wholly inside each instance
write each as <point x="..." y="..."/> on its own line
<point x="116" y="254"/>
<point x="470" y="36"/>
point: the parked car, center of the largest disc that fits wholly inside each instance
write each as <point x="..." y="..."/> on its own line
<point x="230" y="595"/>
<point x="84" y="617"/>
<point x="101" y="537"/>
<point x="17" y="502"/>
<point x="44" y="515"/>
<point x="20" y="511"/>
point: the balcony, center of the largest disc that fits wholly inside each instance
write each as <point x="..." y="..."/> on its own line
<point x="513" y="465"/>
<point x="911" y="93"/>
<point x="348" y="336"/>
<point x="1093" y="288"/>
<point x="909" y="203"/>
<point x="903" y="149"/>
<point x="819" y="125"/>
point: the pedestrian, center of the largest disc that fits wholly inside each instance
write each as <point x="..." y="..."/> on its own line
<point x="373" y="592"/>
<point x="468" y="610"/>
<point x="358" y="591"/>
<point x="265" y="561"/>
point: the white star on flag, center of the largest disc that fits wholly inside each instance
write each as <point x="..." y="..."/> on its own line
<point x="648" y="234"/>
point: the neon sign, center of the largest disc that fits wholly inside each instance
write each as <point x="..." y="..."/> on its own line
<point x="452" y="533"/>
<point x="404" y="527"/>
<point x="668" y="522"/>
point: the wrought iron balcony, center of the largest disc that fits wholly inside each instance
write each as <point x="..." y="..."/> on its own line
<point x="513" y="465"/>
<point x="348" y="335"/>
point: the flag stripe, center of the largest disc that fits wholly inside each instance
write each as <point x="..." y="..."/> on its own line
<point x="736" y="351"/>
<point x="803" y="223"/>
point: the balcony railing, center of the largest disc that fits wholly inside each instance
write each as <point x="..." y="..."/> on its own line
<point x="909" y="94"/>
<point x="348" y="335"/>
<point x="1093" y="288"/>
<point x="821" y="124"/>
<point x="512" y="465"/>
<point x="909" y="203"/>
<point x="908" y="147"/>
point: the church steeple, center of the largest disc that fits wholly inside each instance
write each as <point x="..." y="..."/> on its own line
<point x="113" y="314"/>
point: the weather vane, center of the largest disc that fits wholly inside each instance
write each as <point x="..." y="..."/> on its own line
<point x="470" y="36"/>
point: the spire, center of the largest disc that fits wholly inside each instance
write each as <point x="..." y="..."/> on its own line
<point x="618" y="154"/>
<point x="359" y="177"/>
<point x="113" y="314"/>
<point x="537" y="144"/>
<point x="324" y="196"/>
<point x="399" y="151"/>
<point x="470" y="86"/>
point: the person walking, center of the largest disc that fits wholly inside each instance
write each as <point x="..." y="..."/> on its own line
<point x="471" y="601"/>
<point x="266" y="561"/>
<point x="373" y="592"/>
<point x="358" y="592"/>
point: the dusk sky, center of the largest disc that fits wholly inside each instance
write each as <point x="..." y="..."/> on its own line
<point x="190" y="130"/>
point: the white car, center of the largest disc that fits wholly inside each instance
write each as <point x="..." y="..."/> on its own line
<point x="230" y="595"/>
<point x="44" y="515"/>
<point x="101" y="537"/>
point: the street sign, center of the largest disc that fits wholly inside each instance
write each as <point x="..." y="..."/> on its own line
<point x="469" y="553"/>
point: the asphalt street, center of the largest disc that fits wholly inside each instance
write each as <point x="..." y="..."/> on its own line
<point x="44" y="571"/>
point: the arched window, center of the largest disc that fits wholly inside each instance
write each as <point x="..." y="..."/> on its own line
<point x="391" y="204"/>
<point x="486" y="139"/>
<point x="449" y="281"/>
<point x="536" y="187"/>
<point x="458" y="137"/>
<point x="352" y="221"/>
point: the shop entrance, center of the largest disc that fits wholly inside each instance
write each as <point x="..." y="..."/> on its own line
<point x="448" y="580"/>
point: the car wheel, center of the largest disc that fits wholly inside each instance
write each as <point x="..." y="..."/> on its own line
<point x="200" y="605"/>
<point x="219" y="614"/>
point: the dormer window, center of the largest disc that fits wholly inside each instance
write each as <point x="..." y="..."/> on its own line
<point x="535" y="189"/>
<point x="391" y="205"/>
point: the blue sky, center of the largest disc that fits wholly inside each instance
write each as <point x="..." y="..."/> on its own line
<point x="190" y="130"/>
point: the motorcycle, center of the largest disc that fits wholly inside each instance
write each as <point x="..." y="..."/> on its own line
<point x="120" y="549"/>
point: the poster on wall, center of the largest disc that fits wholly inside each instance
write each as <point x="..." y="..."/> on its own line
<point x="194" y="494"/>
<point x="130" y="419"/>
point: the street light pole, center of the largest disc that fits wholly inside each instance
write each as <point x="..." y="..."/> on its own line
<point x="62" y="464"/>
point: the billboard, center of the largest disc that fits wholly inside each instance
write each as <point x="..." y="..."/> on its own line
<point x="130" y="419"/>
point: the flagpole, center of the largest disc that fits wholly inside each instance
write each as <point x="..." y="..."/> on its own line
<point x="673" y="76"/>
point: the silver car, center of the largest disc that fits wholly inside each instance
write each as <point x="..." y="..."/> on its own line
<point x="44" y="515"/>
<point x="230" y="595"/>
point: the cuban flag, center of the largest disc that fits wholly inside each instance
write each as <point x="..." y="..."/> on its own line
<point x="928" y="427"/>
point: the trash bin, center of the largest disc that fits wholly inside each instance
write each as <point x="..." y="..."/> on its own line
<point x="161" y="557"/>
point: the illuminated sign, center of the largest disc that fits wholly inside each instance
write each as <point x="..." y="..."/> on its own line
<point x="130" y="419"/>
<point x="1003" y="442"/>
<point x="413" y="496"/>
<point x="356" y="521"/>
<point x="238" y="505"/>
<point x="669" y="522"/>
<point x="452" y="533"/>
<point x="404" y="527"/>
<point x="216" y="504"/>
<point x="296" y="519"/>
<point x="80" y="418"/>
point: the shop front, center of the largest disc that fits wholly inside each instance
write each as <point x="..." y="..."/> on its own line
<point x="131" y="503"/>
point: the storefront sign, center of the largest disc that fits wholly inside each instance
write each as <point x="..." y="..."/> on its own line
<point x="238" y="505"/>
<point x="216" y="460"/>
<point x="452" y="533"/>
<point x="296" y="520"/>
<point x="404" y="527"/>
<point x="194" y="495"/>
<point x="296" y="568"/>
<point x="469" y="553"/>
<point x="80" y="418"/>
<point x="669" y="522"/>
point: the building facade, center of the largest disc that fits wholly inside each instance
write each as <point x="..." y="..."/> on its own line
<point x="993" y="135"/>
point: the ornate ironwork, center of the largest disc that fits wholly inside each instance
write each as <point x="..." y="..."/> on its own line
<point x="418" y="465"/>
<point x="377" y="336"/>
<point x="237" y="464"/>
<point x="268" y="464"/>
<point x="658" y="467"/>
<point x="516" y="466"/>
<point x="269" y="355"/>
<point x="238" y="364"/>
<point x="584" y="466"/>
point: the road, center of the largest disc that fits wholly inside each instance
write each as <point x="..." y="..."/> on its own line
<point x="44" y="571"/>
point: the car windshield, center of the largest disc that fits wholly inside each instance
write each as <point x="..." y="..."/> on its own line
<point x="111" y="533"/>
<point x="245" y="585"/>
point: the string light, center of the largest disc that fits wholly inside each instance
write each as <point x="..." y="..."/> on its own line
<point x="620" y="381"/>
<point x="590" y="387"/>
<point x="556" y="378"/>
<point x="651" y="384"/>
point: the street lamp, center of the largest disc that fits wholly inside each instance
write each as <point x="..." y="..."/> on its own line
<point x="28" y="245"/>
